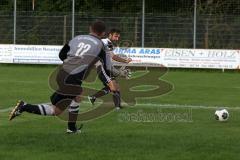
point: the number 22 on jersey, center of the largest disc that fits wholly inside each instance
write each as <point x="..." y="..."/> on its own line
<point x="82" y="48"/>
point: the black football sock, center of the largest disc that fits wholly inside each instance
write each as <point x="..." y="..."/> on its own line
<point x="73" y="114"/>
<point x="102" y="92"/>
<point x="117" y="99"/>
<point x="41" y="109"/>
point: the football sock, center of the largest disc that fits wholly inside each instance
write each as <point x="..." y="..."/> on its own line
<point x="41" y="109"/>
<point x="116" y="98"/>
<point x="73" y="110"/>
<point x="102" y="92"/>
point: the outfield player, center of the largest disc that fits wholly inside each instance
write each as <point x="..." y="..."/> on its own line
<point x="113" y="87"/>
<point x="83" y="52"/>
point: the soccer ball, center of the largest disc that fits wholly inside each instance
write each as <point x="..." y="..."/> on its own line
<point x="221" y="115"/>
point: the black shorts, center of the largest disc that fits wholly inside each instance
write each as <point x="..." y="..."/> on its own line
<point x="69" y="84"/>
<point x="61" y="101"/>
<point x="68" y="87"/>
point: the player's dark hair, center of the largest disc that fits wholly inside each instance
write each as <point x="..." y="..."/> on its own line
<point x="98" y="27"/>
<point x="114" y="30"/>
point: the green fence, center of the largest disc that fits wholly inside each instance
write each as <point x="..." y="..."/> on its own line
<point x="152" y="23"/>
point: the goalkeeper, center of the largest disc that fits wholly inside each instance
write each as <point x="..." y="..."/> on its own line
<point x="111" y="73"/>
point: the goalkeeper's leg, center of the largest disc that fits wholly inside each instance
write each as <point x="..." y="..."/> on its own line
<point x="40" y="109"/>
<point x="115" y="89"/>
<point x="73" y="110"/>
<point x="53" y="109"/>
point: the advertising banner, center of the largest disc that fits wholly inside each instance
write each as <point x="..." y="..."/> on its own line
<point x="169" y="57"/>
<point x="201" y="58"/>
<point x="36" y="54"/>
<point x="141" y="56"/>
<point x="6" y="54"/>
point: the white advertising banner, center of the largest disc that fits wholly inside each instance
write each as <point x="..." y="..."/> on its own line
<point x="36" y="54"/>
<point x="201" y="58"/>
<point x="169" y="57"/>
<point x="6" y="54"/>
<point x="141" y="56"/>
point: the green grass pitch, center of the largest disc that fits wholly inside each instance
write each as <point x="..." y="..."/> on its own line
<point x="120" y="135"/>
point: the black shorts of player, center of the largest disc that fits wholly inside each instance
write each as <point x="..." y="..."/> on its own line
<point x="69" y="86"/>
<point x="61" y="101"/>
<point x="104" y="76"/>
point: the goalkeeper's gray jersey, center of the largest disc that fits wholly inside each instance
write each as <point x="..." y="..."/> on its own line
<point x="85" y="45"/>
<point x="85" y="51"/>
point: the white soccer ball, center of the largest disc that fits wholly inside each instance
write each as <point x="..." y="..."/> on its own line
<point x="221" y="115"/>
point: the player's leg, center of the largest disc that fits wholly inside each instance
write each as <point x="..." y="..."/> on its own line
<point x="40" y="109"/>
<point x="115" y="89"/>
<point x="53" y="109"/>
<point x="105" y="80"/>
<point x="104" y="91"/>
<point x="71" y="84"/>
<point x="111" y="85"/>
<point x="72" y="102"/>
<point x="73" y="110"/>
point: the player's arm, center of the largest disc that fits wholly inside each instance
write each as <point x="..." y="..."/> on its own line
<point x="63" y="52"/>
<point x="109" y="49"/>
<point x="122" y="72"/>
<point x="103" y="60"/>
<point x="120" y="59"/>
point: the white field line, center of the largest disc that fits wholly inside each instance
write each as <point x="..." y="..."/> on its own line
<point x="154" y="105"/>
<point x="186" y="106"/>
<point x="6" y="110"/>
